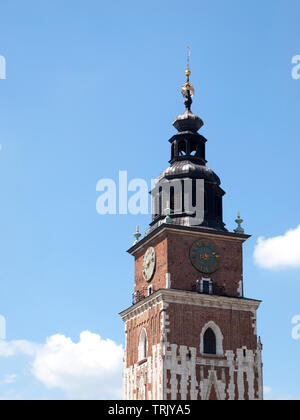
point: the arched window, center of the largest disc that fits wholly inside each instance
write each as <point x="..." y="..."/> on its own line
<point x="182" y="195"/>
<point x="194" y="193"/>
<point x="211" y="339"/>
<point x="209" y="342"/>
<point x="193" y="148"/>
<point x="172" y="204"/>
<point x="182" y="148"/>
<point x="160" y="201"/>
<point x="143" y="345"/>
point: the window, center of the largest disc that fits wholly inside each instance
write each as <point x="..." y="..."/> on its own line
<point x="160" y="201"/>
<point x="194" y="193"/>
<point x="143" y="345"/>
<point x="211" y="339"/>
<point x="209" y="344"/>
<point x="172" y="204"/>
<point x="193" y="148"/>
<point x="182" y="148"/>
<point x="206" y="286"/>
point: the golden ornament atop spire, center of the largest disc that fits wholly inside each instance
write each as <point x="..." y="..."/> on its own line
<point x="188" y="89"/>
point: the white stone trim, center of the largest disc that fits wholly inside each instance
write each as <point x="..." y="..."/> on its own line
<point x="213" y="301"/>
<point x="141" y="307"/>
<point x="137" y="376"/>
<point x="168" y="281"/>
<point x="240" y="288"/>
<point x="182" y="360"/>
<point x="207" y="384"/>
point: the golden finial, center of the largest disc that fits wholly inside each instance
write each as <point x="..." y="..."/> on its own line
<point x="188" y="89"/>
<point x="239" y="222"/>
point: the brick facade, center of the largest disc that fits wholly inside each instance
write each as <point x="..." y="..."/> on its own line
<point x="172" y="250"/>
<point x="175" y="317"/>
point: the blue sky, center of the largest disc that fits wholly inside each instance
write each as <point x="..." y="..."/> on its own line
<point x="92" y="88"/>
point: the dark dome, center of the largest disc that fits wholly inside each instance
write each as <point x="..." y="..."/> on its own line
<point x="185" y="168"/>
<point x="188" y="122"/>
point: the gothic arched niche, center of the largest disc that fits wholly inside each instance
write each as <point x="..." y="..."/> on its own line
<point x="182" y="148"/>
<point x="206" y="334"/>
<point x="209" y="342"/>
<point x="193" y="148"/>
<point x="143" y="345"/>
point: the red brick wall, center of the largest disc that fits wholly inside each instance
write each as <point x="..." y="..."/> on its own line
<point x="187" y="321"/>
<point x="172" y="256"/>
<point x="159" y="279"/>
<point x="183" y="273"/>
<point x="150" y="320"/>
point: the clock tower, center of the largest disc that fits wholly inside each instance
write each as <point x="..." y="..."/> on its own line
<point x="190" y="332"/>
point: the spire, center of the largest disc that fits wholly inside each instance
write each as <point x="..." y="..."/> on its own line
<point x="177" y="204"/>
<point x="187" y="89"/>
<point x="188" y="121"/>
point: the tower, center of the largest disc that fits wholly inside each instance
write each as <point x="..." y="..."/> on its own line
<point x="190" y="332"/>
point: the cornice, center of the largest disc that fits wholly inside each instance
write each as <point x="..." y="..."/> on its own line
<point x="193" y="231"/>
<point x="142" y="306"/>
<point x="190" y="298"/>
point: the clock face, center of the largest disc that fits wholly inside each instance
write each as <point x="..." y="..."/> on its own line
<point x="205" y="256"/>
<point x="149" y="264"/>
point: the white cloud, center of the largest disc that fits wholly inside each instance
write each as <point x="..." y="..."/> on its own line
<point x="10" y="378"/>
<point x="267" y="389"/>
<point x="18" y="347"/>
<point x="89" y="369"/>
<point x="279" y="252"/>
